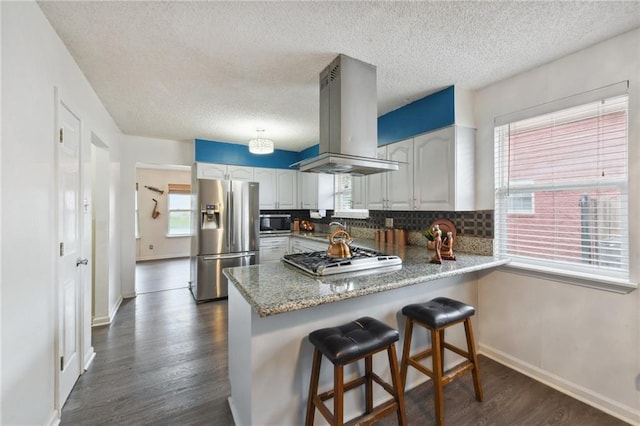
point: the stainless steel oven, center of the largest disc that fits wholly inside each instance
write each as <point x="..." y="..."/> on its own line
<point x="275" y="223"/>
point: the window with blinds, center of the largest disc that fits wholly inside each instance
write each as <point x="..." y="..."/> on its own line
<point x="179" y="209"/>
<point x="343" y="192"/>
<point x="344" y="199"/>
<point x="561" y="186"/>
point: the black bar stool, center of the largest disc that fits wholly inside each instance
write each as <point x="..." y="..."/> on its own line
<point x="349" y="343"/>
<point x="436" y="315"/>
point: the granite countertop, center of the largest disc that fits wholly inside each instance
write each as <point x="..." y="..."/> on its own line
<point x="275" y="287"/>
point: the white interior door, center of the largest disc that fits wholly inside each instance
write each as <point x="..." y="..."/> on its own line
<point x="69" y="260"/>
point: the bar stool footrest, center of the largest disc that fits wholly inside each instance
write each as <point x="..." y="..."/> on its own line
<point x="379" y="412"/>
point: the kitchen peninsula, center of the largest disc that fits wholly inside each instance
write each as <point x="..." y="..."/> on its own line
<point x="273" y="307"/>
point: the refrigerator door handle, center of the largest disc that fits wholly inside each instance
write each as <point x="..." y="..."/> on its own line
<point x="232" y="238"/>
<point x="228" y="256"/>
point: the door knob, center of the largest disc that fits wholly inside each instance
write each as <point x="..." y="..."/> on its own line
<point x="81" y="261"/>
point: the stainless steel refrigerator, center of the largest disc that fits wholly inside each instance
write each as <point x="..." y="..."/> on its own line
<point x="225" y="233"/>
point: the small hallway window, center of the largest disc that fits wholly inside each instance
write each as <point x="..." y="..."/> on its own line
<point x="179" y="210"/>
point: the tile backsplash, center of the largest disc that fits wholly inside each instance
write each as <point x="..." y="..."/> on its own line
<point x="477" y="224"/>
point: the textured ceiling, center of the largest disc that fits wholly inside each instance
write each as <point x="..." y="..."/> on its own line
<point x="219" y="70"/>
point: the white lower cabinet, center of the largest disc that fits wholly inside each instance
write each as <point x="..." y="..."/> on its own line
<point x="273" y="248"/>
<point x="305" y="245"/>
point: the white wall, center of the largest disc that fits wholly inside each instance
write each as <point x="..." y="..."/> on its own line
<point x="583" y="341"/>
<point x="153" y="232"/>
<point x="34" y="60"/>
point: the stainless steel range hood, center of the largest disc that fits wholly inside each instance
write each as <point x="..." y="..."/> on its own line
<point x="348" y="121"/>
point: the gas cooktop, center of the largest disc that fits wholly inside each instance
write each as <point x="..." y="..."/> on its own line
<point x="318" y="263"/>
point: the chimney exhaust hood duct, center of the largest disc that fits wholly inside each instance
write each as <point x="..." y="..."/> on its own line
<point x="348" y="121"/>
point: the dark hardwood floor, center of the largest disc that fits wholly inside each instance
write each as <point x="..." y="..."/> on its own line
<point x="160" y="275"/>
<point x="163" y="361"/>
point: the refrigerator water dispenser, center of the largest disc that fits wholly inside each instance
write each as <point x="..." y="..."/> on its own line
<point x="210" y="216"/>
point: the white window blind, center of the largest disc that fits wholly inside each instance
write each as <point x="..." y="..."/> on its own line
<point x="343" y="195"/>
<point x="343" y="199"/>
<point x="561" y="189"/>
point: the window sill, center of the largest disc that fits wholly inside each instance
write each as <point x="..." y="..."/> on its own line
<point x="351" y="214"/>
<point x="613" y="285"/>
<point x="178" y="235"/>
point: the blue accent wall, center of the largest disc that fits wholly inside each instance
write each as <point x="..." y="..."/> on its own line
<point x="239" y="155"/>
<point x="429" y="113"/>
<point x="310" y="152"/>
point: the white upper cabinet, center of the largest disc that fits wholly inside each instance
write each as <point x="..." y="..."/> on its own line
<point x="358" y="192"/>
<point x="287" y="189"/>
<point x="308" y="190"/>
<point x="267" y="180"/>
<point x="211" y="171"/>
<point x="400" y="182"/>
<point x="392" y="190"/>
<point x="444" y="169"/>
<point x="315" y="191"/>
<point x="376" y="187"/>
<point x="436" y="173"/>
<point x="278" y="188"/>
<point x="240" y="173"/>
<point x="224" y="172"/>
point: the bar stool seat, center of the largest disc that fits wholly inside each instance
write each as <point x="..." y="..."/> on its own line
<point x="349" y="343"/>
<point x="436" y="315"/>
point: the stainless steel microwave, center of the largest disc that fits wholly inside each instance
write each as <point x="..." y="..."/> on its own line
<point x="275" y="223"/>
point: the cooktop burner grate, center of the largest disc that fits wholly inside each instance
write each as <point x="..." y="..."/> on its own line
<point x="318" y="263"/>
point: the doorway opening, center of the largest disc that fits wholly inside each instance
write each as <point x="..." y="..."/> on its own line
<point x="163" y="231"/>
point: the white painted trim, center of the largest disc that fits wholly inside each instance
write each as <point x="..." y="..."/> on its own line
<point x="114" y="311"/>
<point x="100" y="321"/>
<point x="596" y="400"/>
<point x="54" y="419"/>
<point x="234" y="413"/>
<point x="89" y="360"/>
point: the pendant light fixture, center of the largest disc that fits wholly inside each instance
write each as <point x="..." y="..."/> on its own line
<point x="260" y="145"/>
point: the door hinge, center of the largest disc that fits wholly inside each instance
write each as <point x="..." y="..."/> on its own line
<point x="61" y="363"/>
<point x="61" y="135"/>
<point x="61" y="249"/>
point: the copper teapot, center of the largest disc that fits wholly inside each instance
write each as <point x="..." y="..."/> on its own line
<point x="339" y="248"/>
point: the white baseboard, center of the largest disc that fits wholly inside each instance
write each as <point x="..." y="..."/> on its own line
<point x="100" y="321"/>
<point x="54" y="420"/>
<point x="588" y="396"/>
<point x="234" y="414"/>
<point x="89" y="359"/>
